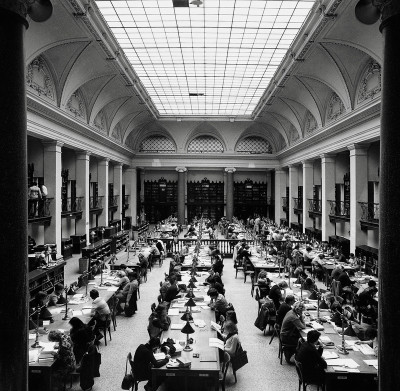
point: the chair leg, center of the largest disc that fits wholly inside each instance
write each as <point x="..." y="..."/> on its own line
<point x="236" y="273"/>
<point x="105" y="336"/>
<point x="109" y="332"/>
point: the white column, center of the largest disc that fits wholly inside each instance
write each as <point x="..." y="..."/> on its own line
<point x="131" y="190"/>
<point x="269" y="192"/>
<point x="118" y="191"/>
<point x="102" y="178"/>
<point x="328" y="181"/>
<point x="82" y="190"/>
<point x="52" y="165"/>
<point x="293" y="192"/>
<point x="280" y="191"/>
<point x="308" y="182"/>
<point x="181" y="194"/>
<point x="358" y="192"/>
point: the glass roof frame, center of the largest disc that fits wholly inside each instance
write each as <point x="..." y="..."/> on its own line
<point x="212" y="60"/>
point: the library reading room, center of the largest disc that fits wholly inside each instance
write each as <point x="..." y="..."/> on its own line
<point x="206" y="195"/>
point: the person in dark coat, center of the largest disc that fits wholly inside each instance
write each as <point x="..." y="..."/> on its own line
<point x="275" y="293"/>
<point x="82" y="336"/>
<point x="89" y="368"/>
<point x="310" y="356"/>
<point x="284" y="308"/>
<point x="144" y="360"/>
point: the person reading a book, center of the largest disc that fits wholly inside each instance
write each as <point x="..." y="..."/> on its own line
<point x="144" y="360"/>
<point x="309" y="355"/>
<point x="232" y="341"/>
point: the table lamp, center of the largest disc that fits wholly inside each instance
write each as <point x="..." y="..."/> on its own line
<point x="187" y="316"/>
<point x="193" y="279"/>
<point x="190" y="303"/>
<point x="342" y="349"/>
<point x="187" y="329"/>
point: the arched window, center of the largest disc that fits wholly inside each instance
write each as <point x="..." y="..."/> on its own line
<point x="253" y="145"/>
<point x="157" y="144"/>
<point x="205" y="144"/>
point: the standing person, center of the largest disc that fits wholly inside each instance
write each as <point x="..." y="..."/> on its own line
<point x="128" y="296"/>
<point x="100" y="313"/>
<point x="42" y="203"/>
<point x="34" y="195"/>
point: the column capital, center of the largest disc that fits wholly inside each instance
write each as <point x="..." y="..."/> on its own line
<point x="52" y="143"/>
<point x="181" y="169"/>
<point x="388" y="9"/>
<point x="230" y="170"/>
<point x="358" y="149"/>
<point x="133" y="169"/>
<point x="104" y="160"/>
<point x="280" y="171"/>
<point x="19" y="7"/>
<point x="307" y="162"/>
<point x="118" y="164"/>
<point x="327" y="158"/>
<point x="292" y="167"/>
<point x="82" y="154"/>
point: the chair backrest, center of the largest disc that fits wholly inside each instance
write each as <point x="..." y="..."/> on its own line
<point x="299" y="370"/>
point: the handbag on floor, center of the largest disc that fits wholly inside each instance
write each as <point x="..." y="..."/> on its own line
<point x="127" y="381"/>
<point x="239" y="360"/>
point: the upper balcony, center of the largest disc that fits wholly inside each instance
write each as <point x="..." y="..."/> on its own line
<point x="285" y="204"/>
<point x="340" y="211"/>
<point x="298" y="205"/>
<point x="96" y="204"/>
<point x="39" y="211"/>
<point x="314" y="207"/>
<point x="113" y="202"/>
<point x="72" y="207"/>
<point x="370" y="215"/>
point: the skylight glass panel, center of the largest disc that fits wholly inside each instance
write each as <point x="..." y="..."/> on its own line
<point x="223" y="53"/>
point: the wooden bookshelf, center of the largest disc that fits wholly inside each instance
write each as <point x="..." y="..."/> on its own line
<point x="250" y="198"/>
<point x="160" y="199"/>
<point x="205" y="198"/>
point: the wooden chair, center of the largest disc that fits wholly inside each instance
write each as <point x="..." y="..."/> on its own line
<point x="304" y="382"/>
<point x="106" y="327"/>
<point x="135" y="380"/>
<point x="277" y="330"/>
<point x="238" y="265"/>
<point x="224" y="369"/>
<point x="246" y="270"/>
<point x="282" y="347"/>
<point x="114" y="312"/>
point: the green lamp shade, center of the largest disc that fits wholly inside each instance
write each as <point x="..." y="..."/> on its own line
<point x="187" y="329"/>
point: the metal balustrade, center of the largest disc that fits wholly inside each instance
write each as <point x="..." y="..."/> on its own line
<point x="72" y="205"/>
<point x="41" y="209"/>
<point x="298" y="203"/>
<point x="370" y="212"/>
<point x="96" y="202"/>
<point x="113" y="201"/>
<point x="339" y="209"/>
<point x="314" y="206"/>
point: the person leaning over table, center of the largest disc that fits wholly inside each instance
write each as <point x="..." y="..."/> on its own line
<point x="128" y="296"/>
<point x="100" y="312"/>
<point x="81" y="336"/>
<point x="218" y="302"/>
<point x="292" y="324"/>
<point x="317" y="264"/>
<point x="122" y="280"/>
<point x="284" y="308"/>
<point x="336" y="272"/>
<point x="275" y="294"/>
<point x="56" y="296"/>
<point x="172" y="291"/>
<point x="125" y="269"/>
<point x="65" y="362"/>
<point x="372" y="339"/>
<point x="309" y="355"/>
<point x="263" y="283"/>
<point x="144" y="360"/>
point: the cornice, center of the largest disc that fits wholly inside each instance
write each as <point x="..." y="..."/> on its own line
<point x="56" y="115"/>
<point x="352" y="119"/>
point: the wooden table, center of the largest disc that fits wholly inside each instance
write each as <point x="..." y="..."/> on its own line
<point x="198" y="369"/>
<point x="365" y="379"/>
<point x="40" y="373"/>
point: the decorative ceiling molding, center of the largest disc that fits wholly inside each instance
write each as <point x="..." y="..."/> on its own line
<point x="39" y="79"/>
<point x="335" y="108"/>
<point x="371" y="83"/>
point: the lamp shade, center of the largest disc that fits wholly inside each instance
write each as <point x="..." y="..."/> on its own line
<point x="323" y="305"/>
<point x="190" y="294"/>
<point x="187" y="316"/>
<point x="193" y="279"/>
<point x="187" y="329"/>
<point x="191" y="285"/>
<point x="350" y="332"/>
<point x="313" y="296"/>
<point x="190" y="303"/>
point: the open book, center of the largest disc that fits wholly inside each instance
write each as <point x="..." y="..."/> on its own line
<point x="216" y="343"/>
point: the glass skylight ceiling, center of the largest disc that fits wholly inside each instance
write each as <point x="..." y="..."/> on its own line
<point x="212" y="60"/>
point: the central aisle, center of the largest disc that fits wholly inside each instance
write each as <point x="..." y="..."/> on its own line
<point x="263" y="370"/>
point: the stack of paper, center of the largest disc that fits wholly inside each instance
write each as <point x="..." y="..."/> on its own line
<point x="366" y="349"/>
<point x="176" y="326"/>
<point x="33" y="355"/>
<point x="343" y="362"/>
<point x="159" y="356"/>
<point x="326" y="340"/>
<point x="216" y="343"/>
<point x="373" y="363"/>
<point x="199" y="323"/>
<point x="316" y="326"/>
<point x="328" y="355"/>
<point x="173" y="311"/>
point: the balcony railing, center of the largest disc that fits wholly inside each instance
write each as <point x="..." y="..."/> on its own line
<point x="298" y="203"/>
<point x="39" y="209"/>
<point x="314" y="206"/>
<point x="285" y="203"/>
<point x="72" y="205"/>
<point x="339" y="209"/>
<point x="113" y="201"/>
<point x="370" y="212"/>
<point x="96" y="202"/>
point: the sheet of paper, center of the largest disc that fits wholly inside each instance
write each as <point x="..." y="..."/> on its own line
<point x="328" y="355"/>
<point x="343" y="369"/>
<point x="55" y="310"/>
<point x="345" y="362"/>
<point x="199" y="323"/>
<point x="215" y="326"/>
<point x="177" y="326"/>
<point x="77" y="313"/>
<point x="366" y="349"/>
<point x="371" y="362"/>
<point x="112" y="289"/>
<point x="217" y="343"/>
<point x="173" y="311"/>
<point x="32" y="336"/>
<point x="178" y="305"/>
<point x="48" y="347"/>
<point x="159" y="356"/>
<point x="33" y="355"/>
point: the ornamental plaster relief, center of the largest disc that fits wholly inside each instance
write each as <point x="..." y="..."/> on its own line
<point x="100" y="122"/>
<point x="39" y="80"/>
<point x="371" y="83"/>
<point x="335" y="108"/>
<point x="76" y="105"/>
<point x="310" y="124"/>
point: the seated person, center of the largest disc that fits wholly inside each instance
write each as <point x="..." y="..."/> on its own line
<point x="144" y="360"/>
<point x="310" y="356"/>
<point x="159" y="321"/>
<point x="125" y="269"/>
<point x="218" y="302"/>
<point x="64" y="362"/>
<point x="100" y="313"/>
<point x="284" y="308"/>
<point x="336" y="272"/>
<point x="122" y="281"/>
<point x="340" y="257"/>
<point x="218" y="265"/>
<point x="309" y="285"/>
<point x="275" y="294"/>
<point x="366" y="302"/>
<point x="371" y="339"/>
<point x="82" y="336"/>
<point x="41" y="302"/>
<point x="56" y="296"/>
<point x="307" y="257"/>
<point x="292" y="323"/>
<point x="172" y="291"/>
<point x="216" y="283"/>
<point x="263" y="283"/>
<point x="317" y="265"/>
<point x="232" y="341"/>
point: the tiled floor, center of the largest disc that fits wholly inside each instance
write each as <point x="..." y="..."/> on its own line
<point x="263" y="371"/>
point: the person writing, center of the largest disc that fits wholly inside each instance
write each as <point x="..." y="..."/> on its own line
<point x="310" y="356"/>
<point x="144" y="360"/>
<point x="56" y="296"/>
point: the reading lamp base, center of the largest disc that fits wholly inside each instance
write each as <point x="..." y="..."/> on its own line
<point x="342" y="350"/>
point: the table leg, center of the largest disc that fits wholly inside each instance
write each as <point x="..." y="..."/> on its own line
<point x="153" y="380"/>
